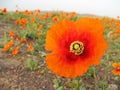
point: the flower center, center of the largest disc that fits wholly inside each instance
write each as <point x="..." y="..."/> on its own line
<point x="77" y="47"/>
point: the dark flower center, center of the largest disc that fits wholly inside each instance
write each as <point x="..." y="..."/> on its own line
<point x="77" y="47"/>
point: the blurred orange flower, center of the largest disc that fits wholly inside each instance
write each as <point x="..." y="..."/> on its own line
<point x="117" y="68"/>
<point x="17" y="11"/>
<point x="4" y="10"/>
<point x="23" y="27"/>
<point x="38" y="10"/>
<point x="17" y="21"/>
<point x="30" y="47"/>
<point x="32" y="19"/>
<point x="75" y="46"/>
<point x="23" y="21"/>
<point x="12" y="34"/>
<point x="48" y="14"/>
<point x="23" y="40"/>
<point x="55" y="18"/>
<point x="26" y="12"/>
<point x="15" y="50"/>
<point x="8" y="45"/>
<point x="40" y="27"/>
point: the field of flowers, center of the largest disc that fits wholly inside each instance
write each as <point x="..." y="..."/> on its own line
<point x="24" y="49"/>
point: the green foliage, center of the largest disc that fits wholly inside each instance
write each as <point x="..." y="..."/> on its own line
<point x="3" y="40"/>
<point x="1" y="43"/>
<point x="75" y="18"/>
<point x="76" y="84"/>
<point x="16" y="16"/>
<point x="102" y="84"/>
<point x="23" y="34"/>
<point x="91" y="71"/>
<point x="32" y="35"/>
<point x="32" y="64"/>
<point x="1" y="13"/>
<point x="58" y="85"/>
<point x="60" y="88"/>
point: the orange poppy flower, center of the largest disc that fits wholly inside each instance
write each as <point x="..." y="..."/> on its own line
<point x="17" y="21"/>
<point x="42" y="18"/>
<point x="26" y="12"/>
<point x="12" y="34"/>
<point x="30" y="47"/>
<point x="112" y="20"/>
<point x="117" y="68"/>
<point x="8" y="45"/>
<point x="55" y="18"/>
<point x="48" y="14"/>
<point x="4" y="10"/>
<point x="23" y="21"/>
<point x="17" y="11"/>
<point x="23" y="27"/>
<point x="39" y="27"/>
<point x="38" y="11"/>
<point x="32" y="19"/>
<point x="23" y="41"/>
<point x="118" y="31"/>
<point x="75" y="46"/>
<point x="15" y="51"/>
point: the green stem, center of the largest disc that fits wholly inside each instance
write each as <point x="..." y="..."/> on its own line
<point x="95" y="79"/>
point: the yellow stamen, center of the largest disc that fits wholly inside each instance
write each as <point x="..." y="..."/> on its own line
<point x="77" y="47"/>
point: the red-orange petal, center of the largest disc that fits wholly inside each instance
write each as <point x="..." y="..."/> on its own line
<point x="95" y="28"/>
<point x="116" y="72"/>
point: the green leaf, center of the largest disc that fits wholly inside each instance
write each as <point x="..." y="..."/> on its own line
<point x="32" y="64"/>
<point x="60" y="88"/>
<point x="55" y="81"/>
